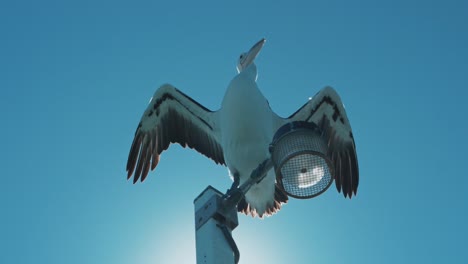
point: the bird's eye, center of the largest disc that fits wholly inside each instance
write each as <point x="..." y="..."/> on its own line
<point x="241" y="56"/>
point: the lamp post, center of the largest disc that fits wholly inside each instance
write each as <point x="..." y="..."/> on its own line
<point x="303" y="170"/>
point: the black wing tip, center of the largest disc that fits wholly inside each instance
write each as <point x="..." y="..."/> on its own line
<point x="129" y="174"/>
<point x="137" y="176"/>
<point x="349" y="194"/>
<point x="346" y="173"/>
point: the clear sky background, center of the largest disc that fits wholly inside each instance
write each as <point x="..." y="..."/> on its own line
<point x="75" y="78"/>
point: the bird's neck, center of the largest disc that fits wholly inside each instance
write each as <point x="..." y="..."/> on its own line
<point x="251" y="72"/>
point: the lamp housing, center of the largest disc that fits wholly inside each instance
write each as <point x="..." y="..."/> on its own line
<point x="299" y="154"/>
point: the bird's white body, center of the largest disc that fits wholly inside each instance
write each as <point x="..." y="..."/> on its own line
<point x="247" y="127"/>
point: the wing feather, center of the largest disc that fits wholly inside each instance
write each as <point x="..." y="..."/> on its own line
<point x="172" y="117"/>
<point x="345" y="177"/>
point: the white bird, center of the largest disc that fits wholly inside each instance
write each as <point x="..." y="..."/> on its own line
<point x="239" y="134"/>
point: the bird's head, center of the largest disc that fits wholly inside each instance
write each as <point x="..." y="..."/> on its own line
<point x="248" y="57"/>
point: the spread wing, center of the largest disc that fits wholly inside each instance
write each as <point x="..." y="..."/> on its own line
<point x="327" y="111"/>
<point x="172" y="117"/>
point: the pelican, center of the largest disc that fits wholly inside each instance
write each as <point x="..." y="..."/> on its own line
<point x="238" y="135"/>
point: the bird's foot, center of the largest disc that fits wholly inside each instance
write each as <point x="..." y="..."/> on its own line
<point x="234" y="194"/>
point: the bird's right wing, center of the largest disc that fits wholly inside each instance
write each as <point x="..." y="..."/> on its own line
<point x="327" y="111"/>
<point x="173" y="117"/>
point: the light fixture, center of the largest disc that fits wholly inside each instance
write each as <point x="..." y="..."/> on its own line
<point x="299" y="154"/>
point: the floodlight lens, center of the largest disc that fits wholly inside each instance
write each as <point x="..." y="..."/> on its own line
<point x="305" y="175"/>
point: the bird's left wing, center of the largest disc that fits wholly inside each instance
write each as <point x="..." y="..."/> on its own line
<point x="171" y="117"/>
<point x="327" y="111"/>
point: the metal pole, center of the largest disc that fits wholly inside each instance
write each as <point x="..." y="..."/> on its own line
<point x="216" y="217"/>
<point x="214" y="226"/>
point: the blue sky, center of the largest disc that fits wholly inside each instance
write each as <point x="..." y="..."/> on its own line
<point x="76" y="76"/>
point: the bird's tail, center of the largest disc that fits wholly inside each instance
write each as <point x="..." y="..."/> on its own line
<point x="280" y="199"/>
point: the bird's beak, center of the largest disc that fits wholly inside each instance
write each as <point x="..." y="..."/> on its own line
<point x="253" y="52"/>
